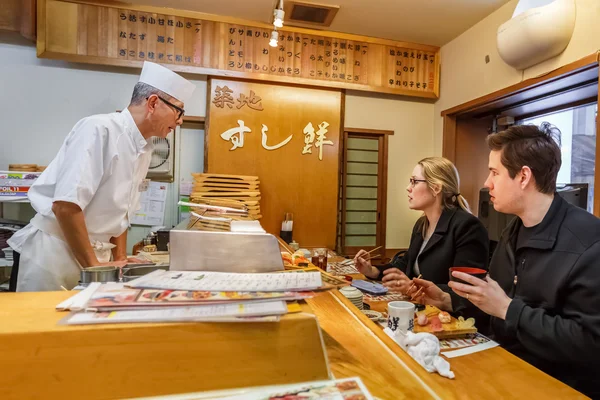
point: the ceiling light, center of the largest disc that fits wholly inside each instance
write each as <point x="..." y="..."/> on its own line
<point x="278" y="17"/>
<point x="274" y="39"/>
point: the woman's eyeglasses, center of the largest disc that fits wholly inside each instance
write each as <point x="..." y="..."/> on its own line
<point x="413" y="181"/>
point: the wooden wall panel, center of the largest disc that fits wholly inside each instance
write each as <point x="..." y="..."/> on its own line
<point x="196" y="42"/>
<point x="18" y="16"/>
<point x="289" y="180"/>
<point x="471" y="157"/>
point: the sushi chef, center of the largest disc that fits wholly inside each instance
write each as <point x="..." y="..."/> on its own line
<point x="86" y="197"/>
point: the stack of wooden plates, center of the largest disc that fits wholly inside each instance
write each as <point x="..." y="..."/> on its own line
<point x="23" y="167"/>
<point x="209" y="225"/>
<point x="234" y="191"/>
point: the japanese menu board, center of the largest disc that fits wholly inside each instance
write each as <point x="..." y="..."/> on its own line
<point x="190" y="42"/>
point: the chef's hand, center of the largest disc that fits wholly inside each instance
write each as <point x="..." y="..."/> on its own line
<point x="486" y="294"/>
<point x="427" y="292"/>
<point x="119" y="264"/>
<point x="396" y="281"/>
<point x="362" y="260"/>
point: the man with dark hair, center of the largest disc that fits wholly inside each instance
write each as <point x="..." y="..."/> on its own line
<point x="86" y="197"/>
<point x="543" y="289"/>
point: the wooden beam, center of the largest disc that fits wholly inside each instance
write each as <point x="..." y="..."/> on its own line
<point x="369" y="131"/>
<point x="596" y="206"/>
<point x="193" y="119"/>
<point x="590" y="61"/>
<point x="449" y="138"/>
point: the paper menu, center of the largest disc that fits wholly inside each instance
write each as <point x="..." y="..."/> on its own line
<point x="152" y="205"/>
<point x="339" y="389"/>
<point x="225" y="281"/>
<point x="180" y="314"/>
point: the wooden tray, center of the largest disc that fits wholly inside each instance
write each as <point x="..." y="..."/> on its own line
<point x="200" y="180"/>
<point x="226" y="177"/>
<point x="450" y="330"/>
<point x="228" y="186"/>
<point x="224" y="191"/>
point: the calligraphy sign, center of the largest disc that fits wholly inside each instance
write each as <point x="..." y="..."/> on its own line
<point x="289" y="138"/>
<point x="236" y="135"/>
<point x="194" y="42"/>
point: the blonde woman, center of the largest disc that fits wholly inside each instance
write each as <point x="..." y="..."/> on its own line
<point x="447" y="235"/>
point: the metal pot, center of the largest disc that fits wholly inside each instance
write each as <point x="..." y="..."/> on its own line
<point x="132" y="273"/>
<point x="99" y="274"/>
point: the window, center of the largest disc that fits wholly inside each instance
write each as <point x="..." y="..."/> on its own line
<point x="578" y="144"/>
<point x="363" y="180"/>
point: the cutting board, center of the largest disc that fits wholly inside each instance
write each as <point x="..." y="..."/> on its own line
<point x="450" y="330"/>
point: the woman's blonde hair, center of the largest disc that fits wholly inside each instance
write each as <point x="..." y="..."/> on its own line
<point x="439" y="172"/>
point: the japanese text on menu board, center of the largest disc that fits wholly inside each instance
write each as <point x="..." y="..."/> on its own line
<point x="179" y="40"/>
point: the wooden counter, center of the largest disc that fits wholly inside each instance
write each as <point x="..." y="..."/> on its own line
<point x="41" y="359"/>
<point x="38" y="356"/>
<point x="358" y="347"/>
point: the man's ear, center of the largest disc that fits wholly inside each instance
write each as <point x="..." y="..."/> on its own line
<point x="525" y="176"/>
<point x="152" y="103"/>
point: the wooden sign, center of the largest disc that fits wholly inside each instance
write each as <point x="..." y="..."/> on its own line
<point x="290" y="138"/>
<point x="194" y="42"/>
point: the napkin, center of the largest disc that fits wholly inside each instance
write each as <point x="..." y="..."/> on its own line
<point x="424" y="348"/>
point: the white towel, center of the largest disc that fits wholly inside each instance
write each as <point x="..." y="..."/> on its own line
<point x="425" y="349"/>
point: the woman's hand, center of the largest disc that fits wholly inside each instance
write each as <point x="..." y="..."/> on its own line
<point x="396" y="281"/>
<point x="362" y="260"/>
<point x="428" y="292"/>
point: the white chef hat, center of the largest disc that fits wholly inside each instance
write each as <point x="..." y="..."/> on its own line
<point x="167" y="81"/>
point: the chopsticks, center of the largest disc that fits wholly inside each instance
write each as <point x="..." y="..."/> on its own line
<point x="413" y="283"/>
<point x="418" y="292"/>
<point x="351" y="261"/>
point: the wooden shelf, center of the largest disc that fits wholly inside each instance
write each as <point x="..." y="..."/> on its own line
<point x="193" y="119"/>
<point x="189" y="119"/>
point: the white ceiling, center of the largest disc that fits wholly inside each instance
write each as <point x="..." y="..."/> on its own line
<point x="434" y="22"/>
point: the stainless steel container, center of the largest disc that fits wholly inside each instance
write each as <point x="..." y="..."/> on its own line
<point x="99" y="274"/>
<point x="132" y="273"/>
<point x="194" y="250"/>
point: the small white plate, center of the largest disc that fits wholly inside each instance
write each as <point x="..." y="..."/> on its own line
<point x="373" y="315"/>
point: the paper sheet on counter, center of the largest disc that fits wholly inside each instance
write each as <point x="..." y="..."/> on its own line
<point x="79" y="300"/>
<point x="224" y="281"/>
<point x="180" y="314"/>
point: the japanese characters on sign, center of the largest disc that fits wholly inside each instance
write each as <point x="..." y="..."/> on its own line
<point x="236" y="135"/>
<point x="221" y="46"/>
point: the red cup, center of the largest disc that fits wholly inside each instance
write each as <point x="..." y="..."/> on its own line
<point x="476" y="272"/>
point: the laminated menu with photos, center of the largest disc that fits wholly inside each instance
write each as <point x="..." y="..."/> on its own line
<point x="228" y="281"/>
<point x="112" y="297"/>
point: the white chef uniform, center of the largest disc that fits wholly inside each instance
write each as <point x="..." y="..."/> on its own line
<point x="99" y="167"/>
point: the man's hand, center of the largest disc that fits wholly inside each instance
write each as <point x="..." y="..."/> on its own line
<point x="72" y="223"/>
<point x="396" y="281"/>
<point x="486" y="294"/>
<point x="119" y="264"/>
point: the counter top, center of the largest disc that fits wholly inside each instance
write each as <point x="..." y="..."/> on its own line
<point x="31" y="342"/>
<point x="358" y="347"/>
